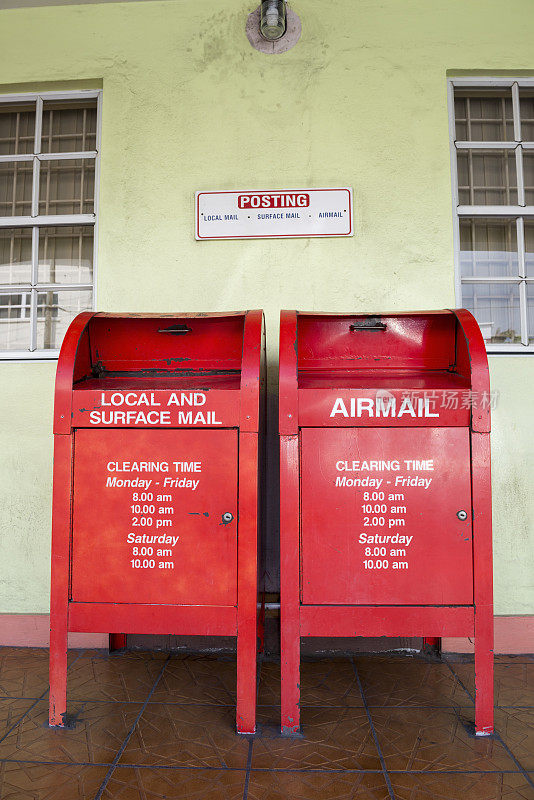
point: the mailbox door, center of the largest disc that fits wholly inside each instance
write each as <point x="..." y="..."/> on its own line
<point x="379" y="510"/>
<point x="148" y="523"/>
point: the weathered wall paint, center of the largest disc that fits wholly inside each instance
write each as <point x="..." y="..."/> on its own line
<point x="188" y="105"/>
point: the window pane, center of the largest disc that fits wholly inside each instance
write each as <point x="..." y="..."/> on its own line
<point x="68" y="127"/>
<point x="15" y="188"/>
<point x="15" y="255"/>
<point x="488" y="247"/>
<point x="484" y="116"/>
<point x="529" y="247"/>
<point x="526" y="110"/>
<point x="496" y="308"/>
<point x="15" y="321"/>
<point x="66" y="255"/>
<point x="67" y="187"/>
<point x="487" y="177"/>
<point x="528" y="176"/>
<point x="17" y="128"/>
<point x="55" y="311"/>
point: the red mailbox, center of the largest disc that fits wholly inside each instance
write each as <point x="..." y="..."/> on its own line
<point x="155" y="510"/>
<point x="385" y="485"/>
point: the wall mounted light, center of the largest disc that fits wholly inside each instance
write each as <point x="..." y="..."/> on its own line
<point x="273" y="27"/>
<point x="273" y="19"/>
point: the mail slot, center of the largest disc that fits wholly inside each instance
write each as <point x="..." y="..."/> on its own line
<point x="385" y="485"/>
<point x="157" y="426"/>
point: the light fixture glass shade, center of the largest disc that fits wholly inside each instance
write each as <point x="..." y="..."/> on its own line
<point x="273" y="19"/>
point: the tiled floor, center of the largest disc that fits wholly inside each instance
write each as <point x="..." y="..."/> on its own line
<point x="148" y="726"/>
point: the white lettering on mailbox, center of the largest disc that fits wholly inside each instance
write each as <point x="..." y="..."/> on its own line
<point x="110" y="411"/>
<point x="382" y="407"/>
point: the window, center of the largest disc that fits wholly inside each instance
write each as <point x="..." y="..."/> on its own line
<point x="49" y="154"/>
<point x="492" y="148"/>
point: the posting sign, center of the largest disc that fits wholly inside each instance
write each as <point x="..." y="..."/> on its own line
<point x="279" y="214"/>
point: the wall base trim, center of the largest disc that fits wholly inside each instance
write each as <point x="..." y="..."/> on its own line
<point x="514" y="635"/>
<point x="33" y="630"/>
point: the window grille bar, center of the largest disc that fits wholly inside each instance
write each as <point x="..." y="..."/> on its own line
<point x="523" y="312"/>
<point x="491" y="279"/>
<point x="55" y="220"/>
<point x="33" y="321"/>
<point x="45" y="287"/>
<point x="478" y="145"/>
<point x="455" y="200"/>
<point x="85" y="154"/>
<point x="38" y="124"/>
<point x="35" y="255"/>
<point x="516" y="111"/>
<point x="35" y="188"/>
<point x="495" y="211"/>
<point x="520" y="227"/>
<point x="520" y="177"/>
<point x="16" y="157"/>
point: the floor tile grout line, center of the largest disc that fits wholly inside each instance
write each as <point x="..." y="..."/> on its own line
<point x="130" y="733"/>
<point x="38" y="700"/>
<point x="251" y="740"/>
<point x="515" y="760"/>
<point x="313" y="770"/>
<point x="459" y="680"/>
<point x="248" y="769"/>
<point x="374" y="733"/>
<point x="496" y="734"/>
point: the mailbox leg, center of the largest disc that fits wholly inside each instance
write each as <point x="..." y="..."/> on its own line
<point x="484" y="670"/>
<point x="59" y="590"/>
<point x="247" y="549"/>
<point x="58" y="672"/>
<point x="483" y="583"/>
<point x="289" y="584"/>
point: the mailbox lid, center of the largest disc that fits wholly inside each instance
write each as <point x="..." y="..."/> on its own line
<point x="379" y="516"/>
<point x="148" y="522"/>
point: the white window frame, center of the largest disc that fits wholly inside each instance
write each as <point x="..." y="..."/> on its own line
<point x="518" y="212"/>
<point x="35" y="221"/>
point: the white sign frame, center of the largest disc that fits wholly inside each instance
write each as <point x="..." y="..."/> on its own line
<point x="228" y="214"/>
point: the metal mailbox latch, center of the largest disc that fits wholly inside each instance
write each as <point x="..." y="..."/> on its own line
<point x="227" y="517"/>
<point x="462" y="515"/>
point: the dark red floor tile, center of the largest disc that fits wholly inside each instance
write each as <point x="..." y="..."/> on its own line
<point x="148" y="783"/>
<point x="317" y="786"/>
<point x="49" y="781"/>
<point x="187" y="736"/>
<point x="332" y="738"/>
<point x="434" y="739"/>
<point x="98" y="732"/>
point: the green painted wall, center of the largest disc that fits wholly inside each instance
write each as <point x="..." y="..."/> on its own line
<point x="189" y="105"/>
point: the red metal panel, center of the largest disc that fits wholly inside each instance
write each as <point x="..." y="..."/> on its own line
<point x="419" y="341"/>
<point x="388" y="407"/>
<point x="288" y="400"/>
<point x="161" y="619"/>
<point x="251" y="373"/>
<point x="129" y="407"/>
<point x="387" y="516"/>
<point x="320" y="620"/>
<point x="136" y="343"/>
<point x="148" y="519"/>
